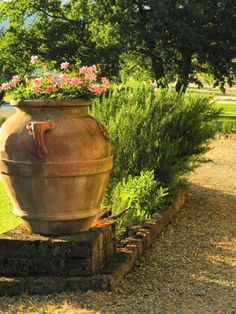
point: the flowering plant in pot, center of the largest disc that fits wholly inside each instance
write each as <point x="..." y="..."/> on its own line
<point x="55" y="158"/>
<point x="68" y="82"/>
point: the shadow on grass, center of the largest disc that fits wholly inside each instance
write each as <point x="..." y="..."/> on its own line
<point x="7" y="220"/>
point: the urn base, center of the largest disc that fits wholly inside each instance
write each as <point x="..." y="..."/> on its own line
<point x="56" y="228"/>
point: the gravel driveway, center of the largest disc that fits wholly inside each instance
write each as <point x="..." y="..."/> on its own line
<point x="190" y="269"/>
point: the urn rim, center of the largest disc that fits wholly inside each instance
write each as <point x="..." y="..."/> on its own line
<point x="42" y="103"/>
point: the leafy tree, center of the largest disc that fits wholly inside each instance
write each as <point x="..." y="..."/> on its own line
<point x="206" y="41"/>
<point x="179" y="37"/>
<point x="56" y="30"/>
<point x="134" y="66"/>
<point x="220" y="44"/>
<point x="176" y="38"/>
<point x="130" y="24"/>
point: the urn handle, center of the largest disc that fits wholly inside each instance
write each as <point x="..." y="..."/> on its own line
<point x="37" y="130"/>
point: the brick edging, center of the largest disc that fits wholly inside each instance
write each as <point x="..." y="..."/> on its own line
<point x="142" y="239"/>
<point x="112" y="275"/>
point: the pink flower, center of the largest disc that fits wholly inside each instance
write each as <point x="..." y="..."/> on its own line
<point x="105" y="81"/>
<point x="35" y="88"/>
<point x="34" y="59"/>
<point x="50" y="89"/>
<point x="55" y="84"/>
<point x="75" y="81"/>
<point x="64" y="77"/>
<point x="83" y="70"/>
<point x="93" y="68"/>
<point x="96" y="89"/>
<point x="16" y="78"/>
<point x="5" y="86"/>
<point x="50" y="78"/>
<point x="90" y="77"/>
<point x="14" y="81"/>
<point x="38" y="82"/>
<point x="88" y="70"/>
<point x="65" y="65"/>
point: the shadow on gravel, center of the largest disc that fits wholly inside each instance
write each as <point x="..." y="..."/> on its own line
<point x="211" y="217"/>
<point x="190" y="269"/>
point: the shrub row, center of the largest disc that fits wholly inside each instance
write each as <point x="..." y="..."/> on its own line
<point x="157" y="138"/>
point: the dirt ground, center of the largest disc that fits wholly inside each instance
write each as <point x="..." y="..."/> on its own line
<point x="190" y="269"/>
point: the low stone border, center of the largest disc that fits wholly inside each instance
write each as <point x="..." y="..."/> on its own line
<point x="125" y="258"/>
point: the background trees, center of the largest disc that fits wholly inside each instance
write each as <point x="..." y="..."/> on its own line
<point x="180" y="38"/>
<point x="168" y="40"/>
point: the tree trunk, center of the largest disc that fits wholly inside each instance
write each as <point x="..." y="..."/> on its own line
<point x="158" y="70"/>
<point x="182" y="84"/>
<point x="183" y="77"/>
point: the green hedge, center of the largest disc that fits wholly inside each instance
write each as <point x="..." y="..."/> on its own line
<point x="159" y="134"/>
<point x="159" y="131"/>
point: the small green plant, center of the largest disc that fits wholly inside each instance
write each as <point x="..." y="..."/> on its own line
<point x="134" y="199"/>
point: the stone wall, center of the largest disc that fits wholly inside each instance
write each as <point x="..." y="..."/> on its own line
<point x="26" y="254"/>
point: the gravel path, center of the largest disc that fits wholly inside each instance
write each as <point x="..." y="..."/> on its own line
<point x="191" y="269"/>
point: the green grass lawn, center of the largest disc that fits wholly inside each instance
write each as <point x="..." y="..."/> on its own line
<point x="7" y="220"/>
<point x="227" y="121"/>
<point x="228" y="109"/>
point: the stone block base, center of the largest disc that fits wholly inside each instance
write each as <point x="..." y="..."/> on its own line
<point x="23" y="253"/>
<point x="103" y="266"/>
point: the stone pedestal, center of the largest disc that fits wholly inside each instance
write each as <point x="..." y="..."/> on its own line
<point x="35" y="264"/>
<point x="85" y="254"/>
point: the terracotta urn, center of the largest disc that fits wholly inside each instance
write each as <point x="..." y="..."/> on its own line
<point x="55" y="164"/>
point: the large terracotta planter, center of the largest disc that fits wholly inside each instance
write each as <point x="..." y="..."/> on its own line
<point x="55" y="164"/>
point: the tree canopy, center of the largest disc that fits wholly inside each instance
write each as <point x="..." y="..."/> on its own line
<point x="168" y="40"/>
